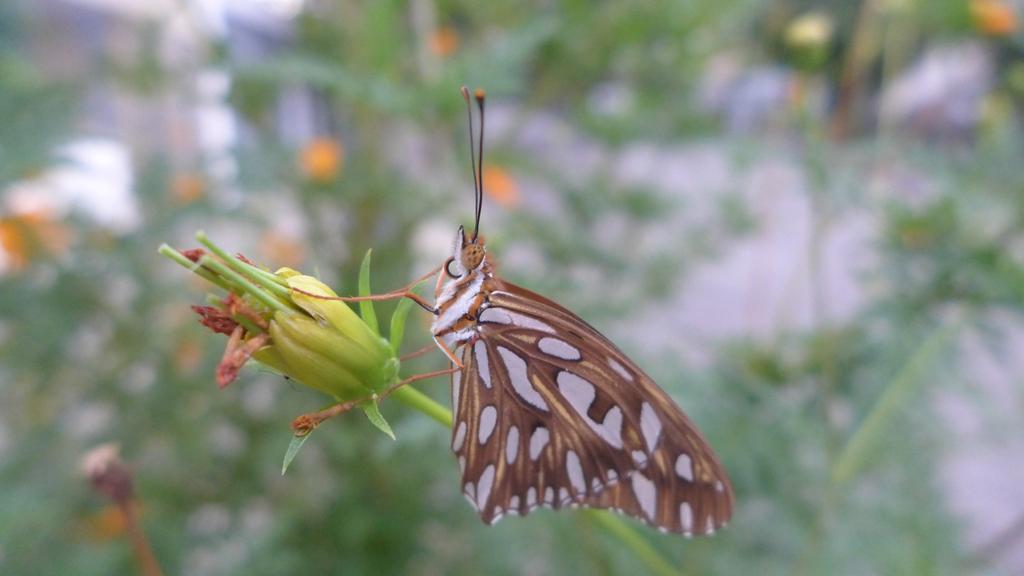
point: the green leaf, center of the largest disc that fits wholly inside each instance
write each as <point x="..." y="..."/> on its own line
<point x="372" y="410"/>
<point x="398" y="318"/>
<point x="871" y="434"/>
<point x="293" y="450"/>
<point x="366" y="306"/>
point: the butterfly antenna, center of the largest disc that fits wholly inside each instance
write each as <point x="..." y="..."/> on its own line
<point x="480" y="95"/>
<point x="472" y="159"/>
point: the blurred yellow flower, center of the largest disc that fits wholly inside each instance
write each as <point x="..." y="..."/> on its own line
<point x="321" y="160"/>
<point x="810" y="30"/>
<point x="501" y="186"/>
<point x="808" y="39"/>
<point x="444" y="41"/>
<point x="187" y="188"/>
<point x="25" y="236"/>
<point x="994" y="17"/>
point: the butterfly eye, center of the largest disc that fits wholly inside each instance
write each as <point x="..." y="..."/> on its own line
<point x="447" y="268"/>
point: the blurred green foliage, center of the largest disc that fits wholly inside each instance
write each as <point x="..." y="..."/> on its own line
<point x="97" y="343"/>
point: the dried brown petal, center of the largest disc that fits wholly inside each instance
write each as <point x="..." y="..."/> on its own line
<point x="237" y="353"/>
<point x="193" y="254"/>
<point x="215" y="319"/>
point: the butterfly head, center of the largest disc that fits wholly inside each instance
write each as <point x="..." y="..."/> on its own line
<point x="468" y="254"/>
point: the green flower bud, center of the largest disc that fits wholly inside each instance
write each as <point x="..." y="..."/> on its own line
<point x="292" y="323"/>
<point x="327" y="346"/>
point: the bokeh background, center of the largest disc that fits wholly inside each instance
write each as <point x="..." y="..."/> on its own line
<point x="802" y="217"/>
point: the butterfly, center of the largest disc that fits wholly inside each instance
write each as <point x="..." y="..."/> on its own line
<point x="550" y="413"/>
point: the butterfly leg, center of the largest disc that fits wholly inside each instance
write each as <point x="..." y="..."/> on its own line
<point x="306" y="423"/>
<point x="448" y="353"/>
<point x="403" y="292"/>
<point x="439" y="284"/>
<point x="417" y="353"/>
<point x="408" y="287"/>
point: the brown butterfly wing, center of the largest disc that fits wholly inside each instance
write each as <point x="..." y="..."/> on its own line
<point x="548" y="412"/>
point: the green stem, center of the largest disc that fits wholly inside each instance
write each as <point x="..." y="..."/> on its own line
<point x="268" y="279"/>
<point x="857" y="452"/>
<point x="194" y="267"/>
<point x="628" y="535"/>
<point x="258" y="275"/>
<point x="257" y="292"/>
<point x="420" y="401"/>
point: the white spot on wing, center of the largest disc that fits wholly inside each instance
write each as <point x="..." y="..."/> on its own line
<point x="686" y="517"/>
<point x="482" y="362"/>
<point x="483" y="490"/>
<point x="512" y="446"/>
<point x="549" y="495"/>
<point x="580" y="394"/>
<point x="684" y="467"/>
<point x="538" y="440"/>
<point x="563" y="495"/>
<point x="531" y="497"/>
<point x="575" y="471"/>
<point x="640" y="458"/>
<point x="456" y="389"/>
<point x="488" y="419"/>
<point x="558" y="348"/>
<point x="577" y="391"/>
<point x="495" y="316"/>
<point x="612" y="427"/>
<point x="523" y="321"/>
<point x="516" y="368"/>
<point x="460" y="436"/>
<point x="620" y="369"/>
<point x="650" y="425"/>
<point x="646" y="494"/>
<point x="529" y="322"/>
<point x="710" y="528"/>
<point x="513" y="503"/>
<point x="499" y="315"/>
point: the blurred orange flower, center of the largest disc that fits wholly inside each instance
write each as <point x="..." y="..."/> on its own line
<point x="188" y="355"/>
<point x="25" y="236"/>
<point x="994" y="17"/>
<point x="322" y="159"/>
<point x="187" y="188"/>
<point x="281" y="249"/>
<point x="501" y="186"/>
<point x="444" y="41"/>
